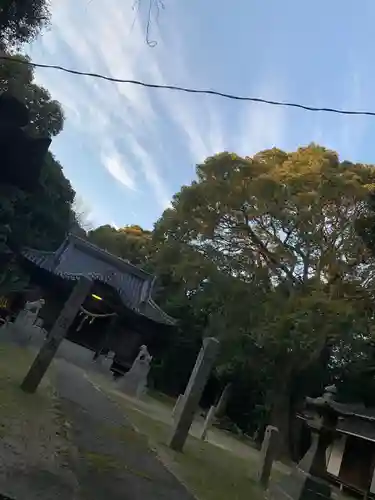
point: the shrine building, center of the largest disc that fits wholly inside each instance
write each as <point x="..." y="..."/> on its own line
<point x="119" y="315"/>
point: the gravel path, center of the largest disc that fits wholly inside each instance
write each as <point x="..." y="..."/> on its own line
<point x="112" y="461"/>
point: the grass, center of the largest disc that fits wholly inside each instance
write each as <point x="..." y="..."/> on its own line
<point x="209" y="472"/>
<point x="31" y="427"/>
<point x="14" y="403"/>
<point x="32" y="430"/>
<point x="163" y="398"/>
<point x="101" y="462"/>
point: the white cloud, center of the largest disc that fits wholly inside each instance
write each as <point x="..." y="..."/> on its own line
<point x="352" y="128"/>
<point x="192" y="113"/>
<point x="113" y="162"/>
<point x="215" y="130"/>
<point x="263" y="126"/>
<point x="123" y="122"/>
<point x="88" y="215"/>
<point x="101" y="44"/>
<point x="151" y="173"/>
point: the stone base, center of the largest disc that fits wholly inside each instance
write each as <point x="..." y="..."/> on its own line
<point x="131" y="387"/>
<point x="103" y="364"/>
<point x="299" y="485"/>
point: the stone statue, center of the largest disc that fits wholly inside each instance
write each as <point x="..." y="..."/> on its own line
<point x="134" y="381"/>
<point x="35" y="306"/>
<point x="143" y="355"/>
<point x="27" y="318"/>
<point x="32" y="310"/>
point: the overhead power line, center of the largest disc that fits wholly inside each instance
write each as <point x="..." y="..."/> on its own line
<point x="191" y="90"/>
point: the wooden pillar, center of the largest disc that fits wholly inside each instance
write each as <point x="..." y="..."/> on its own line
<point x="57" y="334"/>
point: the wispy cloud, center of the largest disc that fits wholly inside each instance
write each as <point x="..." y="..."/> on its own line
<point x="103" y="110"/>
<point x="262" y="126"/>
<point x="193" y="114"/>
<point x="352" y="128"/>
<point x="87" y="215"/>
<point x="128" y="127"/>
<point x="151" y="173"/>
<point x="114" y="163"/>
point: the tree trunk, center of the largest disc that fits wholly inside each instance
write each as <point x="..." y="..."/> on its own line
<point x="280" y="416"/>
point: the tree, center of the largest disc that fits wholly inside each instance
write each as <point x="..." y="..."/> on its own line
<point x="46" y="114"/>
<point x="42" y="218"/>
<point x="283" y="221"/>
<point x="21" y="21"/>
<point x="131" y="243"/>
<point x="39" y="220"/>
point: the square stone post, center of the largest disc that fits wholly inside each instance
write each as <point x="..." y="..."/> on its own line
<point x="268" y="455"/>
<point x="207" y="423"/>
<point x="58" y="332"/>
<point x="177" y="406"/>
<point x="193" y="393"/>
<point x="223" y="401"/>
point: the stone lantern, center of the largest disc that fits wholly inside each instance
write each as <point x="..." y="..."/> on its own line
<point x="307" y="479"/>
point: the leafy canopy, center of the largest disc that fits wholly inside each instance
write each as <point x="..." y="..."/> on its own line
<point x="21" y="21"/>
<point x="285" y="222"/>
<point x="130" y="242"/>
<point x="40" y="219"/>
<point x="46" y="114"/>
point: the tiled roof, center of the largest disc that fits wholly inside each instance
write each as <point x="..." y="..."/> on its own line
<point x="357" y="427"/>
<point x="77" y="257"/>
<point x="354" y="410"/>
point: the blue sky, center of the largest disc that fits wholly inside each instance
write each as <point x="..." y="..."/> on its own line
<point x="127" y="150"/>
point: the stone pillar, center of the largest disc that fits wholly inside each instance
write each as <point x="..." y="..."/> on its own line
<point x="57" y="333"/>
<point x="177" y="406"/>
<point x="223" y="401"/>
<point x="268" y="454"/>
<point x="207" y="423"/>
<point x="193" y="393"/>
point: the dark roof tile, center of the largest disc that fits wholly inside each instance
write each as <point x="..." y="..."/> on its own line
<point x="77" y="257"/>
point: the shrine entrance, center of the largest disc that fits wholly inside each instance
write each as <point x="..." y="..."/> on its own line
<point x="94" y="325"/>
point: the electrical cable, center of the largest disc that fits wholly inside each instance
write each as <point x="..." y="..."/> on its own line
<point x="191" y="90"/>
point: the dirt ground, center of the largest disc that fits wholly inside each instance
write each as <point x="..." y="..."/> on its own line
<point x="70" y="441"/>
<point x="34" y="448"/>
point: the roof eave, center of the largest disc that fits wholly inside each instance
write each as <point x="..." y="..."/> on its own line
<point x="113" y="259"/>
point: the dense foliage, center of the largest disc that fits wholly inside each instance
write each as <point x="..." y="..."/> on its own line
<point x="130" y="243"/>
<point x="298" y="298"/>
<point x="265" y="253"/>
<point x="22" y="20"/>
<point x="40" y="219"/>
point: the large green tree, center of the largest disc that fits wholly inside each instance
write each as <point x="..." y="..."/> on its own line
<point x="43" y="218"/>
<point x="46" y="114"/>
<point x="130" y="242"/>
<point x="40" y="219"/>
<point x="282" y="221"/>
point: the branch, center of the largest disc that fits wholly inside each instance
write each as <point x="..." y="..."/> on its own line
<point x="291" y="248"/>
<point x="269" y="256"/>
